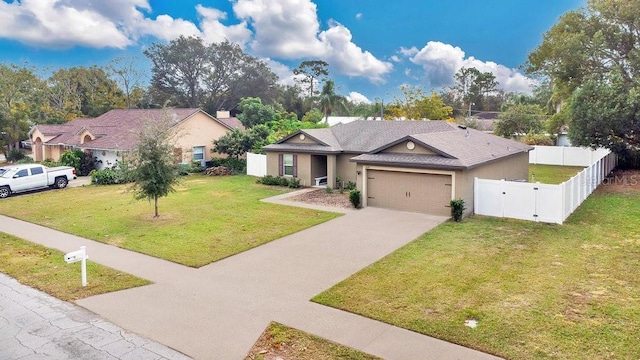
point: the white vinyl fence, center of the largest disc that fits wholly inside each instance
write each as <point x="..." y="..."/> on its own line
<point x="544" y="202"/>
<point x="565" y="155"/>
<point x="256" y="164"/>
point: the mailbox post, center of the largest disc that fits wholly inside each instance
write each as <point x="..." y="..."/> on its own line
<point x="80" y="255"/>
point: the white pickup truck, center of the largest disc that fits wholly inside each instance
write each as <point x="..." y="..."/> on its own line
<point x="19" y="178"/>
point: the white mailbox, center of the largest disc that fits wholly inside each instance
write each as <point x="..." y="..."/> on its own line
<point x="74" y="256"/>
<point x="79" y="255"/>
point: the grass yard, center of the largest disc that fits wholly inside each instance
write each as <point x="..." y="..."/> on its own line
<point x="281" y="342"/>
<point x="537" y="291"/>
<point x="207" y="219"/>
<point x="45" y="270"/>
<point x="552" y="174"/>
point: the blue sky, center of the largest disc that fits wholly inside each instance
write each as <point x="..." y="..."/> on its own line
<point x="372" y="46"/>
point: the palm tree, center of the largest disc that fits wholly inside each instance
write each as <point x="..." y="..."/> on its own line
<point x="329" y="100"/>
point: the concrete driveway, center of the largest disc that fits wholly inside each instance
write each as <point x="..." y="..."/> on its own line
<point x="218" y="311"/>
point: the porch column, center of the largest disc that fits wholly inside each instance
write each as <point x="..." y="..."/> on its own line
<point x="331" y="171"/>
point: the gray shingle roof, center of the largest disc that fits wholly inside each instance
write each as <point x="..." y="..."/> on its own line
<point x="412" y="160"/>
<point x="472" y="147"/>
<point x="459" y="147"/>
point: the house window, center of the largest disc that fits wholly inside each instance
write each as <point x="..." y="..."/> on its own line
<point x="198" y="153"/>
<point x="287" y="164"/>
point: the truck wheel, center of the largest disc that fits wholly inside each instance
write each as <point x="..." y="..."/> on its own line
<point x="61" y="182"/>
<point x="4" y="192"/>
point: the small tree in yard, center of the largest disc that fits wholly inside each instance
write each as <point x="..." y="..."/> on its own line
<point x="155" y="173"/>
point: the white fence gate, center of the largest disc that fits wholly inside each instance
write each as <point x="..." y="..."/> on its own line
<point x="544" y="202"/>
<point x="256" y="164"/>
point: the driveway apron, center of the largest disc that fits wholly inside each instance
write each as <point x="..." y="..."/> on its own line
<point x="219" y="310"/>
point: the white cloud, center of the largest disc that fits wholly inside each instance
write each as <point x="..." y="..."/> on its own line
<point x="349" y="58"/>
<point x="165" y="27"/>
<point x="280" y="29"/>
<point x="289" y="29"/>
<point x="286" y="29"/>
<point x="358" y="16"/>
<point x="441" y="61"/>
<point x="285" y="74"/>
<point x="357" y="98"/>
<point x="98" y="24"/>
<point x="55" y="24"/>
<point x="214" y="31"/>
<point x="408" y="51"/>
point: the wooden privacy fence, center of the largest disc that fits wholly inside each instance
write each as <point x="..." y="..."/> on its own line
<point x="542" y="202"/>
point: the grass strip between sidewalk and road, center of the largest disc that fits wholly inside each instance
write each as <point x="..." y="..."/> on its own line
<point x="205" y="220"/>
<point x="282" y="342"/>
<point x="45" y="269"/>
<point x="536" y="290"/>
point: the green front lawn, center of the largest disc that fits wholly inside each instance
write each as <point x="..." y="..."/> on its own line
<point x="536" y="290"/>
<point x="207" y="219"/>
<point x="45" y="270"/>
<point x="552" y="174"/>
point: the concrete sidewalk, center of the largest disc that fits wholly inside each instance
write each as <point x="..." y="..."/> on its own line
<point x="218" y="311"/>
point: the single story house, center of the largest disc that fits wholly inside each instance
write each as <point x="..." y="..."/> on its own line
<point x="417" y="166"/>
<point x="111" y="135"/>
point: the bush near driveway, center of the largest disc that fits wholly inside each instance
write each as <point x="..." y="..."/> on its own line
<point x="207" y="219"/>
<point x="537" y="291"/>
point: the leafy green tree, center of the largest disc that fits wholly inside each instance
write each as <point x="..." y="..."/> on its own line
<point x="313" y="116"/>
<point x="81" y="91"/>
<point x="18" y="85"/>
<point x="607" y="114"/>
<point x="236" y="143"/>
<point x="519" y="120"/>
<point x="186" y="72"/>
<point x="287" y="125"/>
<point x="414" y="104"/>
<point x="155" y="173"/>
<point x="128" y="74"/>
<point x="235" y="75"/>
<point x="592" y="58"/>
<point x="254" y="112"/>
<point x="473" y="86"/>
<point x="290" y="99"/>
<point x="179" y="70"/>
<point x="311" y="72"/>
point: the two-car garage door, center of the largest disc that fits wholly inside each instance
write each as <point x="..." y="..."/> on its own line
<point x="408" y="191"/>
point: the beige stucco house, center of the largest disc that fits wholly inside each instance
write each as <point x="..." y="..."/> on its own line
<point x="112" y="135"/>
<point x="417" y="166"/>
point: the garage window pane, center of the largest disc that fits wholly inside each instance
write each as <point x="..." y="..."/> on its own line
<point x="287" y="164"/>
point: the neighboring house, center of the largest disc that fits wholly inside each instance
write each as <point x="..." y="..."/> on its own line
<point x="111" y="135"/>
<point x="417" y="166"/>
<point x="485" y="120"/>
